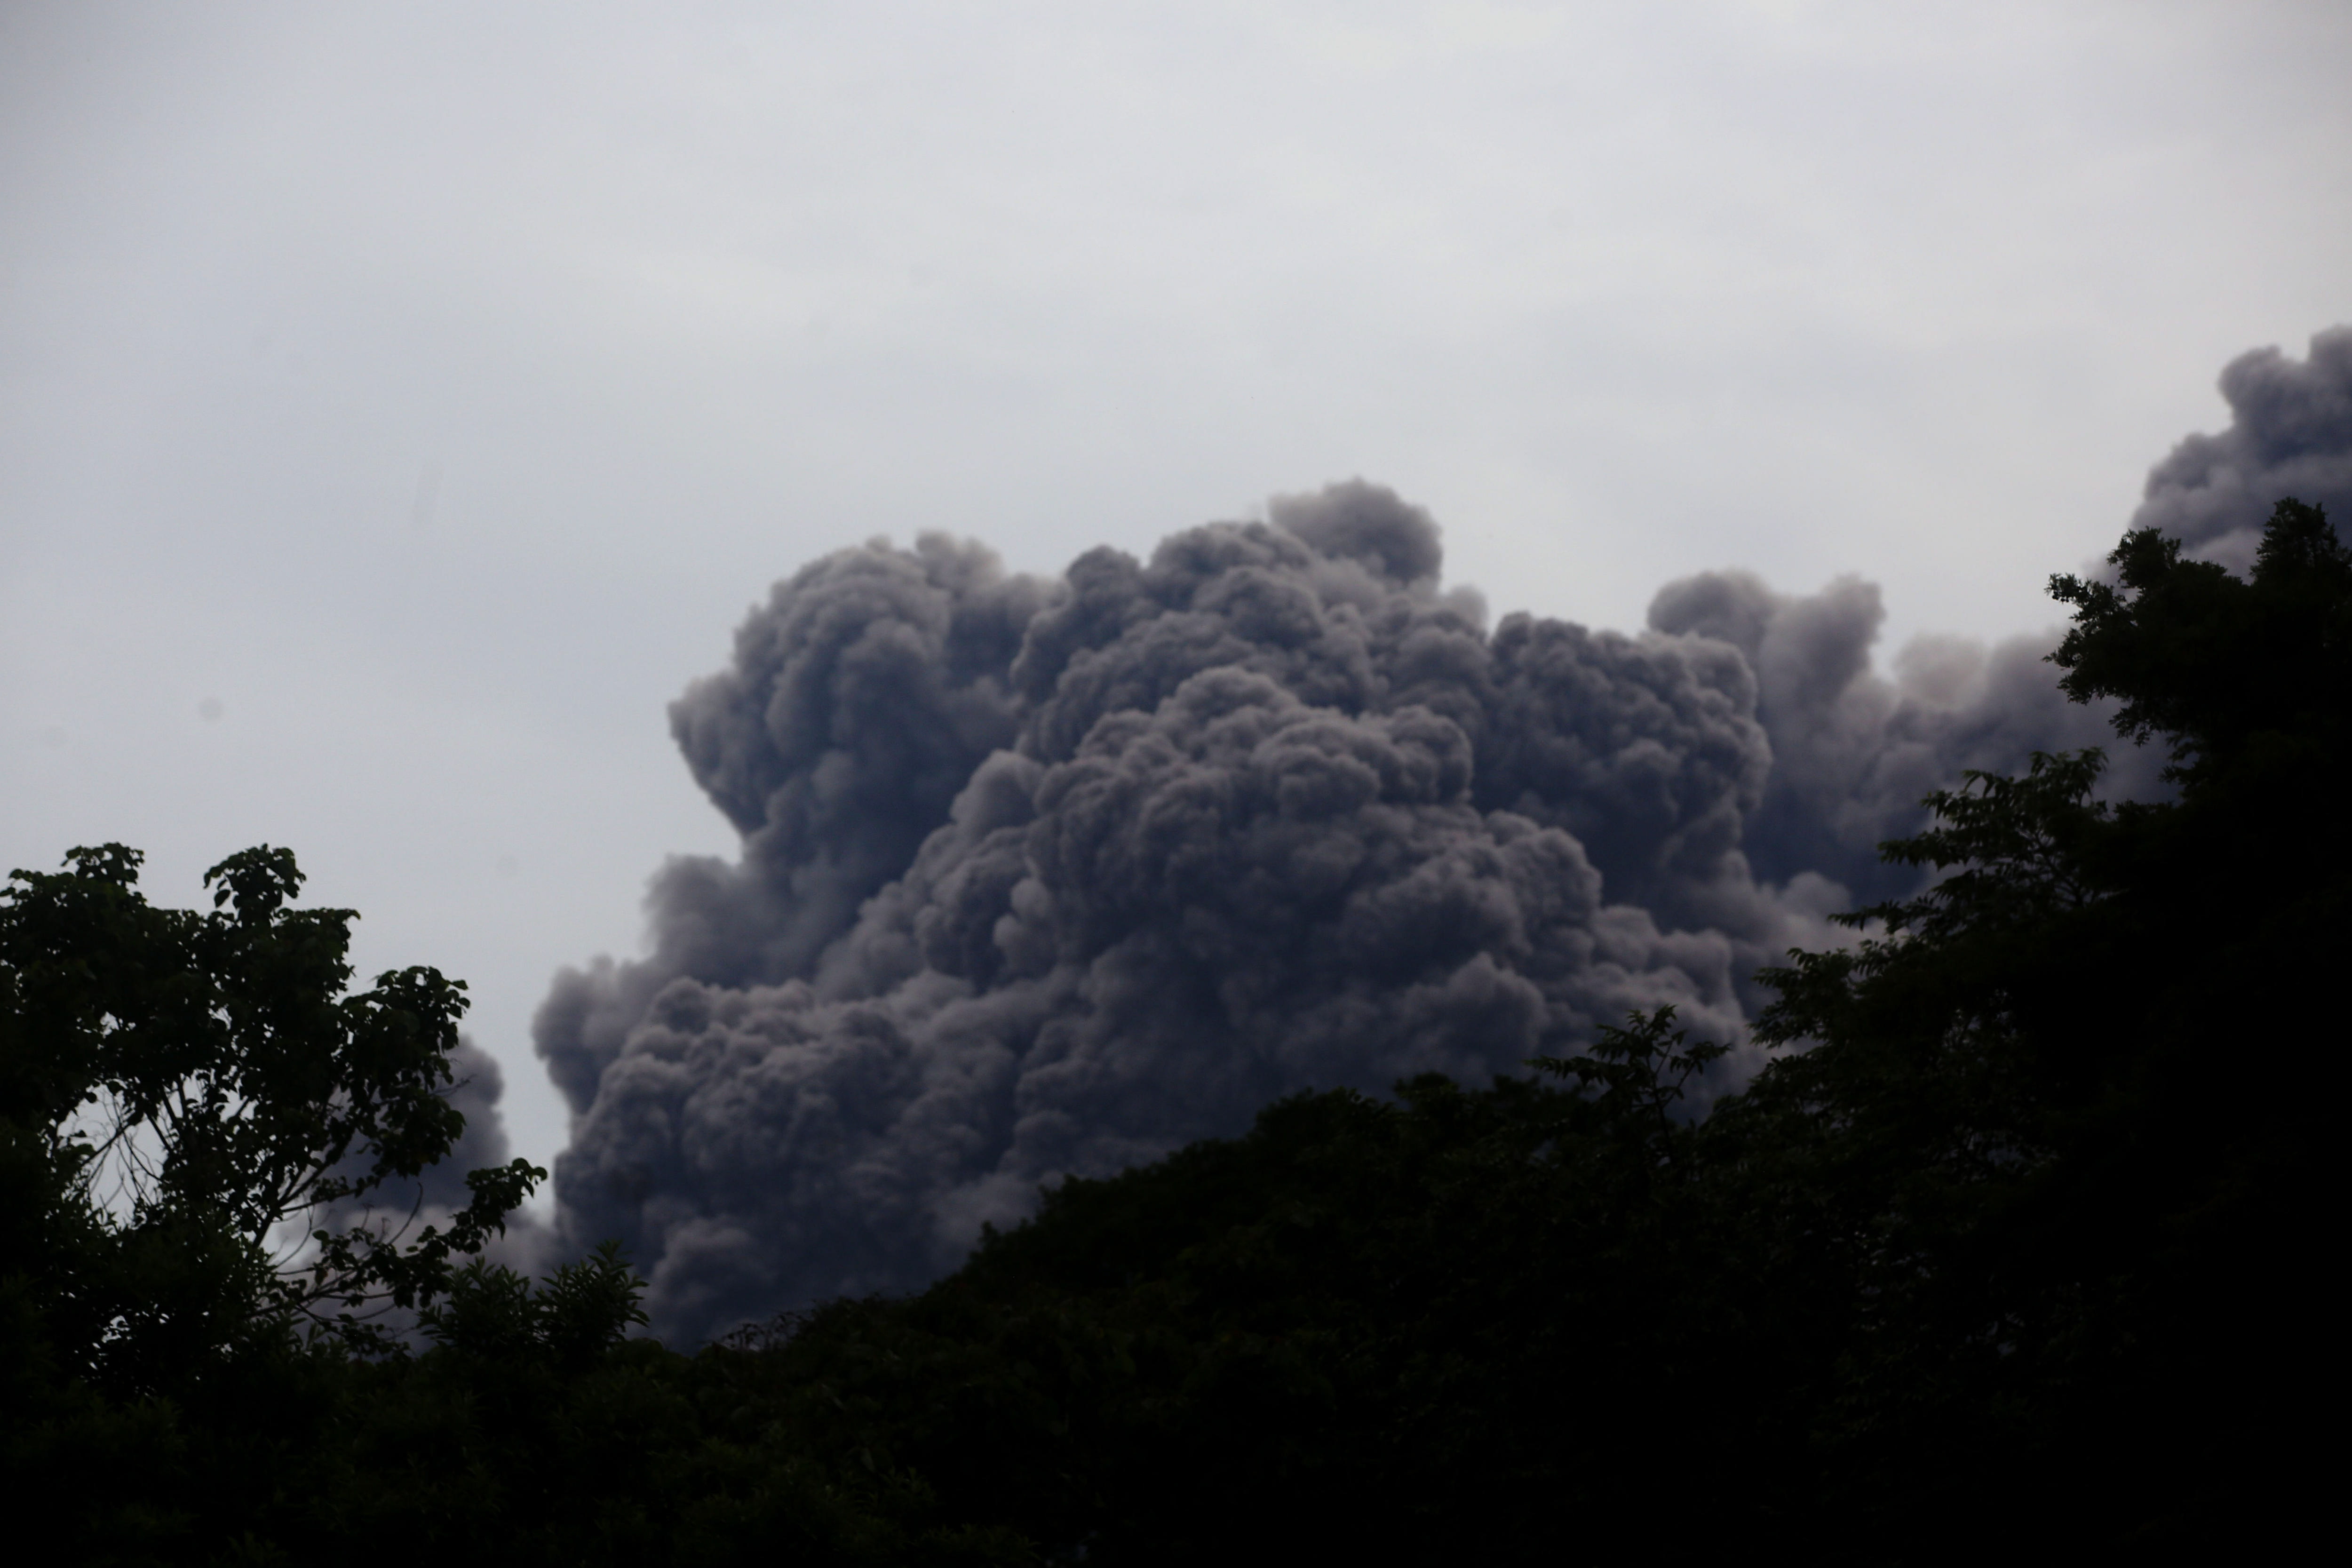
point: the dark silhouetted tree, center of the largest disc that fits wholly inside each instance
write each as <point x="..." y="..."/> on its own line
<point x="181" y="1092"/>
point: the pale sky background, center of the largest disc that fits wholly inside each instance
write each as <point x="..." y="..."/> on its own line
<point x="400" y="404"/>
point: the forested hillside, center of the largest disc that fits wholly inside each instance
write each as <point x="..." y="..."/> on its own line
<point x="2013" y="1247"/>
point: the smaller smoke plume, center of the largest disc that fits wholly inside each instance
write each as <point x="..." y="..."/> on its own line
<point x="2290" y="435"/>
<point x="401" y="1205"/>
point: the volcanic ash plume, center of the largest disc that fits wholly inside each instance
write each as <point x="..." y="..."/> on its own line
<point x="1042" y="878"/>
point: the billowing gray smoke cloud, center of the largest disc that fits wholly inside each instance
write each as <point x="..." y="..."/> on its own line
<point x="1047" y="878"/>
<point x="1043" y="878"/>
<point x="2290" y="435"/>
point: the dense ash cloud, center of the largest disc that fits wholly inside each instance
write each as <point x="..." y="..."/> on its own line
<point x="1047" y="878"/>
<point x="1042" y="878"/>
<point x="2290" y="433"/>
<point x="1051" y="877"/>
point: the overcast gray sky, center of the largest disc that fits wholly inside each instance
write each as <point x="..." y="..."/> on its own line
<point x="399" y="403"/>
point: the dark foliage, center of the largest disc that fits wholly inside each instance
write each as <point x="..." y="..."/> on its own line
<point x="2014" y="1248"/>
<point x="193" y="1369"/>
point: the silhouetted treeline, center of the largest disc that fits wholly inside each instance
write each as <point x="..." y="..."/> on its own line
<point x="2016" y="1248"/>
